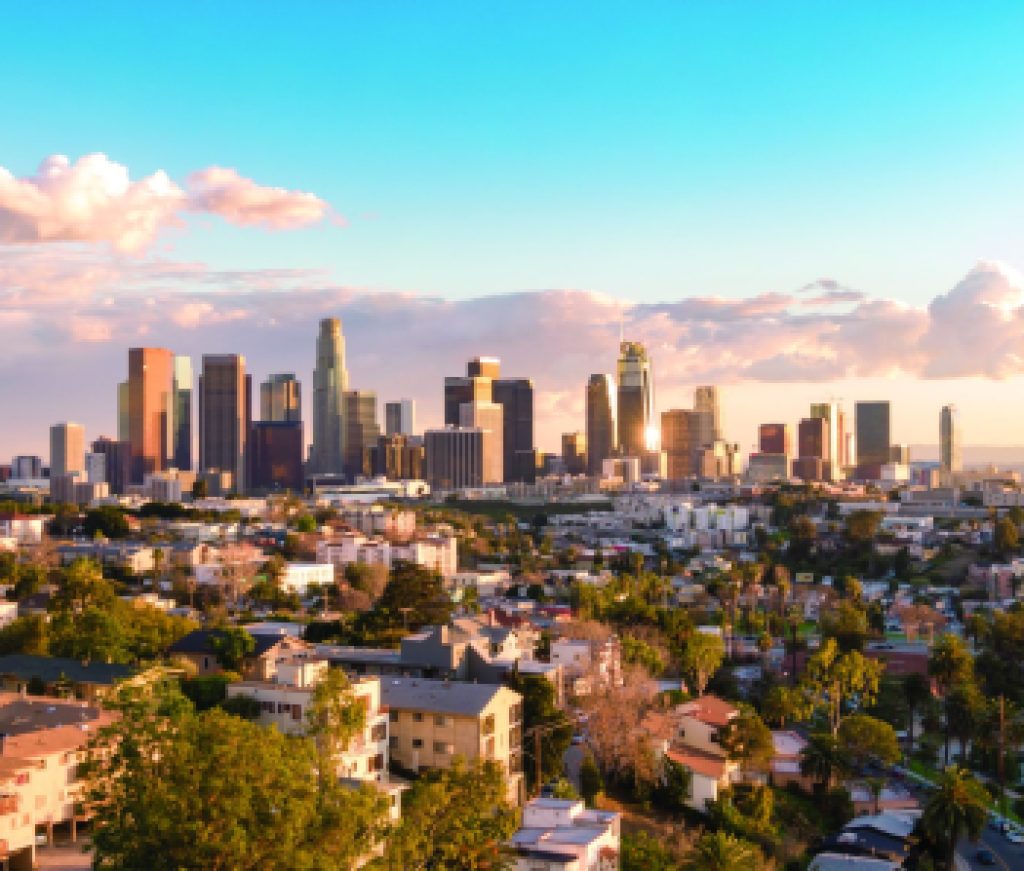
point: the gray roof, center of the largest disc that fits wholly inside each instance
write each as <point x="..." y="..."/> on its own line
<point x="443" y="697"/>
<point x="49" y="669"/>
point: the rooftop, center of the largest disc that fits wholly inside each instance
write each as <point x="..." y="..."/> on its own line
<point x="710" y="710"/>
<point x="445" y="697"/>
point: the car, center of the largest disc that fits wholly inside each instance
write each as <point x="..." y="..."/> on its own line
<point x="985" y="857"/>
<point x="1014" y="834"/>
<point x="578" y="739"/>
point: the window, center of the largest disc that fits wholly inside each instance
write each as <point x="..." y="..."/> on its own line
<point x="488" y="752"/>
<point x="487" y="726"/>
<point x="379" y="732"/>
<point x="443" y="747"/>
<point x="417" y="716"/>
<point x="516" y="714"/>
<point x="393" y="716"/>
<point x="417" y="743"/>
<point x="440" y="720"/>
<point x="393" y="742"/>
<point x="296" y="712"/>
<point x="376" y="763"/>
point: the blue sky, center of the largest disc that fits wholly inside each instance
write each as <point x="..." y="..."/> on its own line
<point x="648" y="150"/>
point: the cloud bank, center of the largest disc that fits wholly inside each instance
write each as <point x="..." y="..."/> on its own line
<point x="94" y="199"/>
<point x="68" y="316"/>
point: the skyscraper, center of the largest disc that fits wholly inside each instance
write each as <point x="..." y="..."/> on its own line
<point x="874" y="436"/>
<point x="488" y="418"/>
<point x="602" y="433"/>
<point x="475" y="386"/>
<point x="813" y="445"/>
<point x="117" y="460"/>
<point x="281" y="399"/>
<point x="705" y="401"/>
<point x="636" y="398"/>
<point x="454" y="457"/>
<point x="400" y="417"/>
<point x="950" y="449"/>
<point x="515" y="396"/>
<point x="330" y="381"/>
<point x="225" y="416"/>
<point x="775" y="438"/>
<point x="681" y="431"/>
<point x="574" y="452"/>
<point x="123" y="416"/>
<point x="275" y="455"/>
<point x="150" y="410"/>
<point x="359" y="414"/>
<point x="181" y="455"/>
<point x="830" y="411"/>
<point x="67" y="449"/>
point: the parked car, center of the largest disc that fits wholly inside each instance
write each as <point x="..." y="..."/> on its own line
<point x="985" y="857"/>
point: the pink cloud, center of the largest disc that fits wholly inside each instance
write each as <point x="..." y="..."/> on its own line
<point x="94" y="200"/>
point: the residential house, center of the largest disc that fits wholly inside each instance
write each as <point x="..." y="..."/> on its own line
<point x="260" y="664"/>
<point x="587" y="663"/>
<point x="89" y="681"/>
<point x="563" y="835"/>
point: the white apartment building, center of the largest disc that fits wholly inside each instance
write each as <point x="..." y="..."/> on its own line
<point x="586" y="663"/>
<point x="23" y="528"/>
<point x="299" y="577"/>
<point x="438" y="551"/>
<point x="563" y="835"/>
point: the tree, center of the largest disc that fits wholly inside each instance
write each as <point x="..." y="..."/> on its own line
<point x="591" y="783"/>
<point x="702" y="656"/>
<point x="454" y="818"/>
<point x="174" y="789"/>
<point x="334" y="718"/>
<point x="832" y="678"/>
<point x="107" y="520"/>
<point x="848" y="625"/>
<point x="414" y="597"/>
<point x="231" y="646"/>
<point x="822" y="759"/>
<point x="719" y="851"/>
<point x="540" y="710"/>
<point x="917" y="691"/>
<point x="965" y="712"/>
<point x="782" y="704"/>
<point x="643" y="852"/>
<point x="675" y="785"/>
<point x="862" y="738"/>
<point x="748" y="740"/>
<point x="29" y="634"/>
<point x="957" y="809"/>
<point x="950" y="662"/>
<point x="863" y="526"/>
<point x="1006" y="537"/>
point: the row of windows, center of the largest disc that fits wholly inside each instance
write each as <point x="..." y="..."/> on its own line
<point x="440" y="747"/>
<point x="419" y="716"/>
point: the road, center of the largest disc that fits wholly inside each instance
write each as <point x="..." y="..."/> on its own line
<point x="1011" y="856"/>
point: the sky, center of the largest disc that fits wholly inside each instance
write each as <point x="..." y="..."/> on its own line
<point x="792" y="200"/>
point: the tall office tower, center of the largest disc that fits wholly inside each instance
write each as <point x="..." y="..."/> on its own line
<point x="67" y="449"/>
<point x="636" y="398"/>
<point x="602" y="431"/>
<point x="874" y="437"/>
<point x="475" y="386"/>
<point x="842" y="440"/>
<point x="397" y="457"/>
<point x="455" y="457"/>
<point x="681" y="434"/>
<point x="225" y="417"/>
<point x="150" y="411"/>
<point x="705" y="400"/>
<point x="484" y="367"/>
<point x="359" y="413"/>
<point x="488" y="417"/>
<point x="123" y="415"/>
<point x="849" y="448"/>
<point x="117" y="458"/>
<point x="515" y="396"/>
<point x="400" y="417"/>
<point x="96" y="468"/>
<point x="775" y="438"/>
<point x="275" y="455"/>
<point x="831" y="412"/>
<point x="281" y="399"/>
<point x="574" y="452"/>
<point x="950" y="450"/>
<point x="181" y="437"/>
<point x="330" y="381"/>
<point x="813" y="445"/>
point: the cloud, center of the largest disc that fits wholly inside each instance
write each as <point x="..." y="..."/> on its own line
<point x="402" y="344"/>
<point x="94" y="200"/>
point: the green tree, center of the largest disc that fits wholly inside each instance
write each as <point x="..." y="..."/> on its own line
<point x="965" y="710"/>
<point x="702" y="656"/>
<point x="957" y="809"/>
<point x="719" y="851"/>
<point x="675" y="785"/>
<point x="231" y="646"/>
<point x="305" y="523"/>
<point x="822" y="759"/>
<point x="540" y="710"/>
<point x="748" y="740"/>
<point x="414" y="597"/>
<point x="862" y="526"/>
<point x="107" y="520"/>
<point x="174" y="789"/>
<point x="335" y="716"/>
<point x="641" y="851"/>
<point x="591" y="782"/>
<point x="29" y="634"/>
<point x="862" y="738"/>
<point x="832" y="678"/>
<point x="1006" y="537"/>
<point x="917" y="691"/>
<point x="455" y="818"/>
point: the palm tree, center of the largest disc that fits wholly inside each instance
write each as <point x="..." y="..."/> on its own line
<point x="955" y="810"/>
<point x="822" y="759"/>
<point x="722" y="852"/>
<point x="917" y="691"/>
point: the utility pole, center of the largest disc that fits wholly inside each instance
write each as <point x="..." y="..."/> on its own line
<point x="1002" y="755"/>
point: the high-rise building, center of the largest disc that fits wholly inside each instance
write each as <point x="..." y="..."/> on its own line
<point x="400" y="417"/>
<point x="181" y="440"/>
<point x="67" y="449"/>
<point x="359" y="412"/>
<point x="275" y="455"/>
<point x="26" y="467"/>
<point x="636" y="398"/>
<point x="96" y="467"/>
<point x="574" y="452"/>
<point x="330" y="381"/>
<point x="602" y="431"/>
<point x="454" y="457"/>
<point x="123" y="415"/>
<point x="705" y="401"/>
<point x="397" y="457"/>
<point x="475" y="386"/>
<point x="681" y="431"/>
<point x="515" y="396"/>
<point x="225" y="416"/>
<point x="874" y="436"/>
<point x="775" y="438"/>
<point x="488" y="418"/>
<point x="814" y="443"/>
<point x="832" y="413"/>
<point x="116" y="461"/>
<point x="281" y="399"/>
<point x="150" y="410"/>
<point x="950" y="448"/>
<point x="484" y="367"/>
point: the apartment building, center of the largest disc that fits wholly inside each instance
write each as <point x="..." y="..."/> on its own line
<point x="436" y="551"/>
<point x="587" y="663"/>
<point x="433" y="722"/>
<point x="563" y="835"/>
<point x="43" y="740"/>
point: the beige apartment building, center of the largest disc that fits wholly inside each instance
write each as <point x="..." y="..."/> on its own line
<point x="433" y="722"/>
